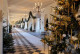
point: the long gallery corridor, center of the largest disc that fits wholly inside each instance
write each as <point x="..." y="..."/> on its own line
<point x="26" y="43"/>
<point x="39" y="26"/>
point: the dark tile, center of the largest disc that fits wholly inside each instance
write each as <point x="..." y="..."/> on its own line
<point x="31" y="43"/>
<point x="29" y="49"/>
<point x="41" y="53"/>
<point x="19" y="48"/>
<point x="22" y="53"/>
<point x="38" y="50"/>
<point x="25" y="45"/>
<point x="35" y="48"/>
<point x="30" y="52"/>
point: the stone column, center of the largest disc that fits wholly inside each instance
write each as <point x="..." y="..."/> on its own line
<point x="21" y="25"/>
<point x="38" y="25"/>
<point x="33" y="24"/>
<point x="1" y="34"/>
<point x="42" y="23"/>
<point x="29" y="24"/>
<point x="25" y="25"/>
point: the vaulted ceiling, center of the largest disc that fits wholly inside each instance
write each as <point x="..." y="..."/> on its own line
<point x="17" y="8"/>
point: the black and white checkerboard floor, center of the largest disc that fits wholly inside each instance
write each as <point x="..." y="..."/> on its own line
<point x="23" y="45"/>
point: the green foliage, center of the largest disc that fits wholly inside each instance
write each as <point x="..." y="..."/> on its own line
<point x="59" y="47"/>
<point x="7" y="41"/>
<point x="26" y="20"/>
<point x="30" y="16"/>
<point x="64" y="22"/>
<point x="78" y="50"/>
<point x="78" y="36"/>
